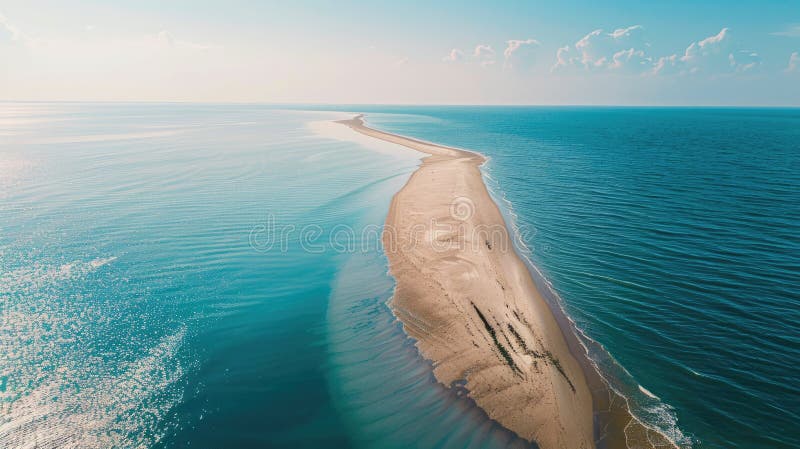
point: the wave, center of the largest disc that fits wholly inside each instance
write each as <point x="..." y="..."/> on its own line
<point x="644" y="406"/>
<point x="648" y="392"/>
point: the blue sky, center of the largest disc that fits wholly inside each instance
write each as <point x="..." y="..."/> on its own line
<point x="467" y="52"/>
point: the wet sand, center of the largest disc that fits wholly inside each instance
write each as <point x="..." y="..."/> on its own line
<point x="471" y="304"/>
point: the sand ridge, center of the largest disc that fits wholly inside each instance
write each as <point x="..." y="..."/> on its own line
<point x="468" y="299"/>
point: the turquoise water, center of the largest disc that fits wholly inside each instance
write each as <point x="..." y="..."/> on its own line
<point x="672" y="237"/>
<point x="146" y="302"/>
<point x="168" y="276"/>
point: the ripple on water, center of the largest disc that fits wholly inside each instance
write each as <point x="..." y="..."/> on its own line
<point x="386" y="390"/>
<point x="60" y="388"/>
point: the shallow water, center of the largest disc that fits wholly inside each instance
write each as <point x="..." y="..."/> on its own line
<point x="168" y="279"/>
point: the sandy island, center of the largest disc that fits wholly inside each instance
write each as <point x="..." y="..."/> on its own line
<point x="470" y="302"/>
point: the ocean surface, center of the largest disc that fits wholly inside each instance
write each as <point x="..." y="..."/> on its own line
<point x="188" y="275"/>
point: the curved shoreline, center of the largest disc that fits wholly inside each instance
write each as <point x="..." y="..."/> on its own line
<point x="471" y="304"/>
<point x="476" y="312"/>
<point x="616" y="426"/>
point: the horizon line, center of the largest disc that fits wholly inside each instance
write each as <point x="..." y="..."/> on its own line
<point x="553" y="105"/>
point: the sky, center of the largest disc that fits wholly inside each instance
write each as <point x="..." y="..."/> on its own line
<point x="624" y="52"/>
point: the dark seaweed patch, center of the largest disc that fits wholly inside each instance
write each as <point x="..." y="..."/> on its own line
<point x="500" y="347"/>
<point x="557" y="364"/>
<point x="518" y="337"/>
<point x="547" y="355"/>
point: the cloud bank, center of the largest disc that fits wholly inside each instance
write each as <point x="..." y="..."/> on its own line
<point x="714" y="54"/>
<point x="622" y="48"/>
<point x="626" y="50"/>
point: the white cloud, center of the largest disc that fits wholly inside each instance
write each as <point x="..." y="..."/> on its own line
<point x="484" y="54"/>
<point x="714" y="54"/>
<point x="454" y="56"/>
<point x="589" y="55"/>
<point x="793" y="31"/>
<point x="666" y="65"/>
<point x="8" y="32"/>
<point x="518" y="51"/>
<point x="597" y="48"/>
<point x="515" y="44"/>
<point x="630" y="59"/>
<point x="794" y="63"/>
<point x="625" y="49"/>
<point x="626" y="34"/>
<point x="562" y="57"/>
<point x="709" y="49"/>
<point x="483" y="51"/>
<point x="621" y="48"/>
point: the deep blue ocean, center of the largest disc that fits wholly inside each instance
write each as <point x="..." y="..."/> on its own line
<point x="188" y="275"/>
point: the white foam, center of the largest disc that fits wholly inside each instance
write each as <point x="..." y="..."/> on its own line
<point x="696" y="373"/>
<point x="660" y="417"/>
<point x="100" y="262"/>
<point x="648" y="392"/>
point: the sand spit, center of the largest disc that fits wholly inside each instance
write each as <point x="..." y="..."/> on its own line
<point x="469" y="301"/>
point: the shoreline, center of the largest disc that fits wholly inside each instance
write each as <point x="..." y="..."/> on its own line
<point x="464" y="295"/>
<point x="473" y="307"/>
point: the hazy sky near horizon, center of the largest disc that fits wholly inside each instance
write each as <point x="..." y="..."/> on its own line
<point x="703" y="52"/>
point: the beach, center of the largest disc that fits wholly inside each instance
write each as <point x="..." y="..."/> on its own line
<point x="471" y="304"/>
<point x="468" y="300"/>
